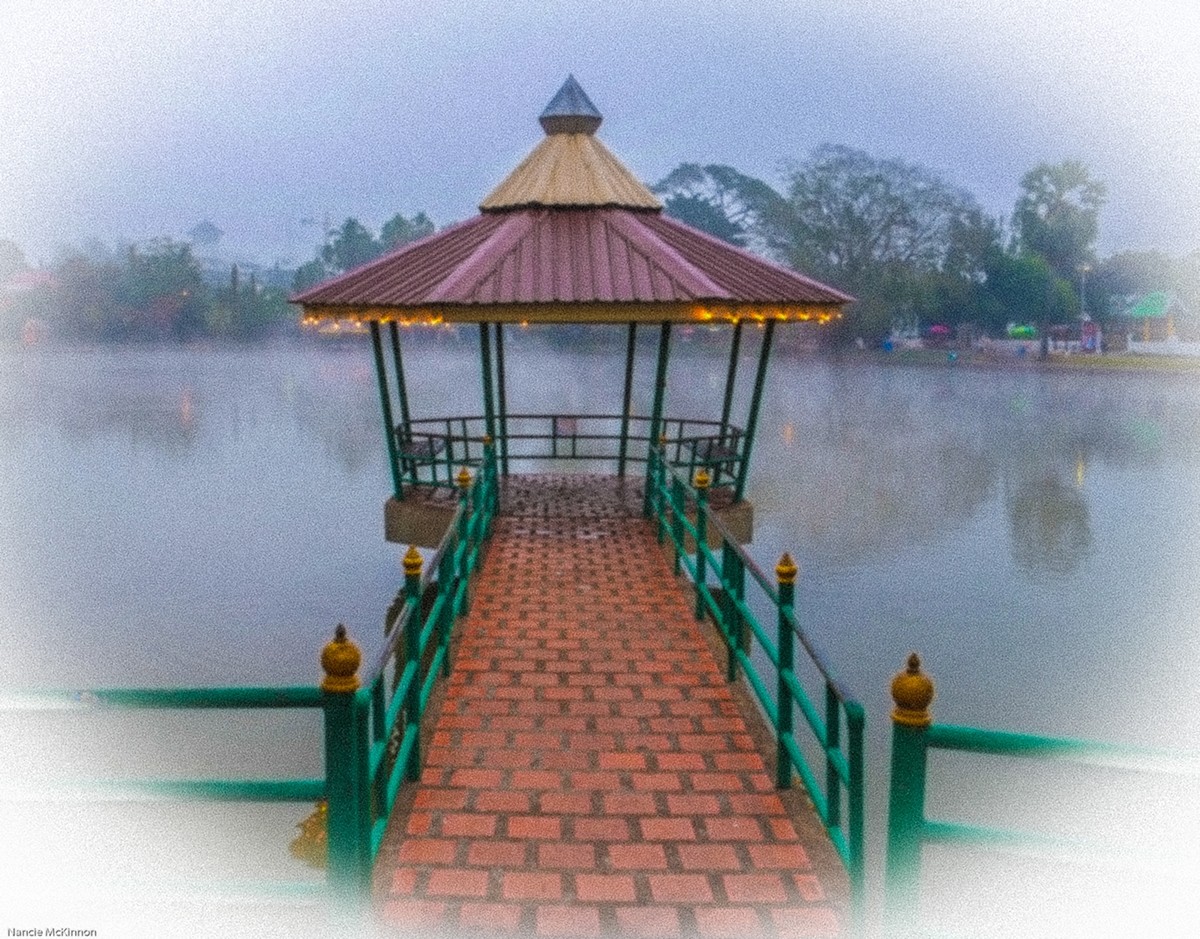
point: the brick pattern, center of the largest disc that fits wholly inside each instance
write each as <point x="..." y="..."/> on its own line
<point x="590" y="772"/>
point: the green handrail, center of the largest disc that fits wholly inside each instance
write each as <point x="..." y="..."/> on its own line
<point x="371" y="728"/>
<point x="914" y="734"/>
<point x="671" y="497"/>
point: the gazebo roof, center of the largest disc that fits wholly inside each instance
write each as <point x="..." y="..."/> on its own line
<point x="571" y="236"/>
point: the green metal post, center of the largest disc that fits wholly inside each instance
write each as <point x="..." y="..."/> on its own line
<point x="833" y="743"/>
<point x="503" y="398"/>
<point x="856" y="808"/>
<point x="912" y="691"/>
<point x="346" y="785"/>
<point x="626" y="400"/>
<point x="760" y="379"/>
<point x="733" y="584"/>
<point x="730" y="377"/>
<point x="401" y="384"/>
<point x="660" y="386"/>
<point x="701" y="482"/>
<point x="785" y="573"/>
<point x="413" y="563"/>
<point x="678" y="501"/>
<point x="464" y="539"/>
<point x="385" y="400"/>
<point x="485" y="355"/>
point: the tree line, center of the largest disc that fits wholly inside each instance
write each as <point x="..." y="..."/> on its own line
<point x="909" y="245"/>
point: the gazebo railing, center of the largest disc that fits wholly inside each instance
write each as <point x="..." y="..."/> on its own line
<point x="429" y="451"/>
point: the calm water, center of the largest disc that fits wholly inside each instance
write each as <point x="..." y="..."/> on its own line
<point x="207" y="515"/>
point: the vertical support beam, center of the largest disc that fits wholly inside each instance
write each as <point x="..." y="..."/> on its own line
<point x="485" y="356"/>
<point x="733" y="586"/>
<point x="503" y="398"/>
<point x="413" y="563"/>
<point x="856" y="719"/>
<point x="385" y="401"/>
<point x="660" y="387"/>
<point x="760" y="379"/>
<point x="912" y="691"/>
<point x="701" y="482"/>
<point x="785" y="574"/>
<point x="401" y="384"/>
<point x="730" y="379"/>
<point x="626" y="400"/>
<point x="832" y="743"/>
<point x="346" y="783"/>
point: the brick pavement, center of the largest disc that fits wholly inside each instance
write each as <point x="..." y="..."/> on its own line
<point x="590" y="772"/>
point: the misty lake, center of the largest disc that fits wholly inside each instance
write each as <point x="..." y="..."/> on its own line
<point x="205" y="516"/>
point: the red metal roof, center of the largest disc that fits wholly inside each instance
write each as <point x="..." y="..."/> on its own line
<point x="556" y="256"/>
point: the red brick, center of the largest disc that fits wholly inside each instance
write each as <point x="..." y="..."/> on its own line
<point x="637" y="857"/>
<point x="605" y="888"/>
<point x="560" y="854"/>
<point x="727" y="922"/>
<point x="606" y="781"/>
<point x="427" y="851"/>
<point x="567" y="921"/>
<point x="809" y="887"/>
<point x="680" y="761"/>
<point x="496" y="854"/>
<point x="534" y="826"/>
<point x="717" y="782"/>
<point x="495" y="917"/>
<point x="601" y="829"/>
<point x="403" y="883"/>
<point x="680" y="888"/>
<point x="433" y="776"/>
<point x="536" y="779"/>
<point x="457" y="883"/>
<point x="507" y="759"/>
<point x="657" y="782"/>
<point x="532" y="885"/>
<point x="756" y="805"/>
<point x="565" y="759"/>
<point x="703" y="743"/>
<point x="537" y="741"/>
<point x="648" y="922"/>
<point x="569" y="803"/>
<point x="657" y="743"/>
<point x="733" y="829"/>
<point x="806" y="923"/>
<point x="419" y="823"/>
<point x="501" y="801"/>
<point x="782" y="829"/>
<point x="413" y="914"/>
<point x="468" y="825"/>
<point x="622" y="761"/>
<point x="639" y="709"/>
<point x="693" y="805"/>
<point x="631" y="803"/>
<point x="484" y="738"/>
<point x="735" y="761"/>
<point x="709" y="857"/>
<point x="668" y="829"/>
<point x="673" y="725"/>
<point x="563" y="693"/>
<point x="591" y="742"/>
<point x="723" y="725"/>
<point x="754" y="888"/>
<point x="477" y="778"/>
<point x="779" y="856"/>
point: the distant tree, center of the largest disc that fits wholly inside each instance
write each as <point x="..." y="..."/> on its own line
<point x="1057" y="215"/>
<point x="398" y="230"/>
<point x="720" y="200"/>
<point x="310" y="274"/>
<point x="705" y="216"/>
<point x="12" y="258"/>
<point x="163" y="290"/>
<point x="350" y="246"/>
<point x="205" y="233"/>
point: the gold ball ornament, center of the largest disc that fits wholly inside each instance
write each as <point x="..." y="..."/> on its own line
<point x="912" y="691"/>
<point x="463" y="478"/>
<point x="702" y="479"/>
<point x="413" y="562"/>
<point x="786" y="569"/>
<point x="340" y="660"/>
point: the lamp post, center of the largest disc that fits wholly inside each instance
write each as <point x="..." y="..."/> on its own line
<point x="1083" y="273"/>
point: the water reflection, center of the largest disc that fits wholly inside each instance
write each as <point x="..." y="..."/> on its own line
<point x="1051" y="526"/>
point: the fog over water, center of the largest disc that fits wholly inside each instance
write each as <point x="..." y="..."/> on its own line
<point x="205" y="516"/>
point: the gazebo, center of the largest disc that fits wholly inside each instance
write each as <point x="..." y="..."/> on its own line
<point x="570" y="236"/>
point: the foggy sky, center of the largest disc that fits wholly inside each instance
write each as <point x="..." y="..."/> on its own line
<point x="127" y="119"/>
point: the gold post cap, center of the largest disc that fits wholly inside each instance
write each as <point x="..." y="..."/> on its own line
<point x="662" y="439"/>
<point x="413" y="562"/>
<point x="786" y="569"/>
<point x="340" y="660"/>
<point x="463" y="478"/>
<point x="487" y="440"/>
<point x="912" y="690"/>
<point x="702" y="479"/>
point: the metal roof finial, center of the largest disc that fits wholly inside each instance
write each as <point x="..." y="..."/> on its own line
<point x="570" y="111"/>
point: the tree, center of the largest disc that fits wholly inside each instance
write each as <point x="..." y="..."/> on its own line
<point x="352" y="245"/>
<point x="703" y="215"/>
<point x="719" y="200"/>
<point x="398" y="230"/>
<point x="1057" y="214"/>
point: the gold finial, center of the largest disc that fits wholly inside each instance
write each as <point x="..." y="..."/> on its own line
<point x="413" y="562"/>
<point x="340" y="660"/>
<point x="786" y="569"/>
<point x="912" y="690"/>
<point x="702" y="479"/>
<point x="463" y="478"/>
<point x="312" y="844"/>
<point x="487" y="440"/>
<point x="662" y="439"/>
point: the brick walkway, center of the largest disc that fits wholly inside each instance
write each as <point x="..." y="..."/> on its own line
<point x="590" y="772"/>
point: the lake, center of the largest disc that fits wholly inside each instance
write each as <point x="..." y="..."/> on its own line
<point x="206" y="516"/>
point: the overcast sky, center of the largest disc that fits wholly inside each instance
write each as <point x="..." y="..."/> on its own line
<point x="127" y="119"/>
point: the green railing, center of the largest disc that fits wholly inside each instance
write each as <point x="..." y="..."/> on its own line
<point x="428" y="451"/>
<point x="914" y="734"/>
<point x="837" y="787"/>
<point x="372" y="727"/>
